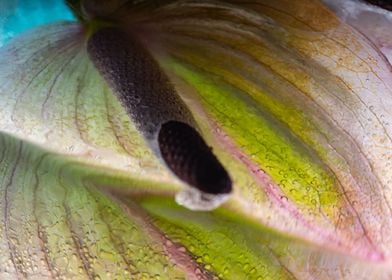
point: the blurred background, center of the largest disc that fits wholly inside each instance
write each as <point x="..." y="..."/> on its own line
<point x="17" y="16"/>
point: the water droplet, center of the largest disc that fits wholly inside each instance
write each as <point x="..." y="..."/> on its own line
<point x="284" y="198"/>
<point x="182" y="249"/>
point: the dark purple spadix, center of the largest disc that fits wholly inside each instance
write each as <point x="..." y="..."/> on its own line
<point x="158" y="112"/>
<point x="189" y="157"/>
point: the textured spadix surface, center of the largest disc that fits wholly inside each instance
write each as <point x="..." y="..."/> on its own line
<point x="295" y="103"/>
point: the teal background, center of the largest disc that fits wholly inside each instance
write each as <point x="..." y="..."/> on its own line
<point x="17" y="16"/>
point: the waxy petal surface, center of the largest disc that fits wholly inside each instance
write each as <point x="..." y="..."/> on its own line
<point x="295" y="103"/>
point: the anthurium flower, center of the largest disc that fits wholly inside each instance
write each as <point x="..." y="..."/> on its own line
<point x="285" y="106"/>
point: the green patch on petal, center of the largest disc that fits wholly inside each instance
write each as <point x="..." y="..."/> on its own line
<point x="296" y="169"/>
<point x="220" y="241"/>
<point x="230" y="246"/>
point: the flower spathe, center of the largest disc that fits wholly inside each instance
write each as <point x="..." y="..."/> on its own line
<point x="295" y="103"/>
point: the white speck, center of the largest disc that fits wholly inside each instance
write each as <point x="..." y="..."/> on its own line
<point x="196" y="200"/>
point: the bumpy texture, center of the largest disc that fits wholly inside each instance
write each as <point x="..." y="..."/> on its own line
<point x="189" y="157"/>
<point x="295" y="102"/>
<point x="137" y="80"/>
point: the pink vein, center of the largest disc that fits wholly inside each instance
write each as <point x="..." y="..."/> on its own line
<point x="275" y="195"/>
